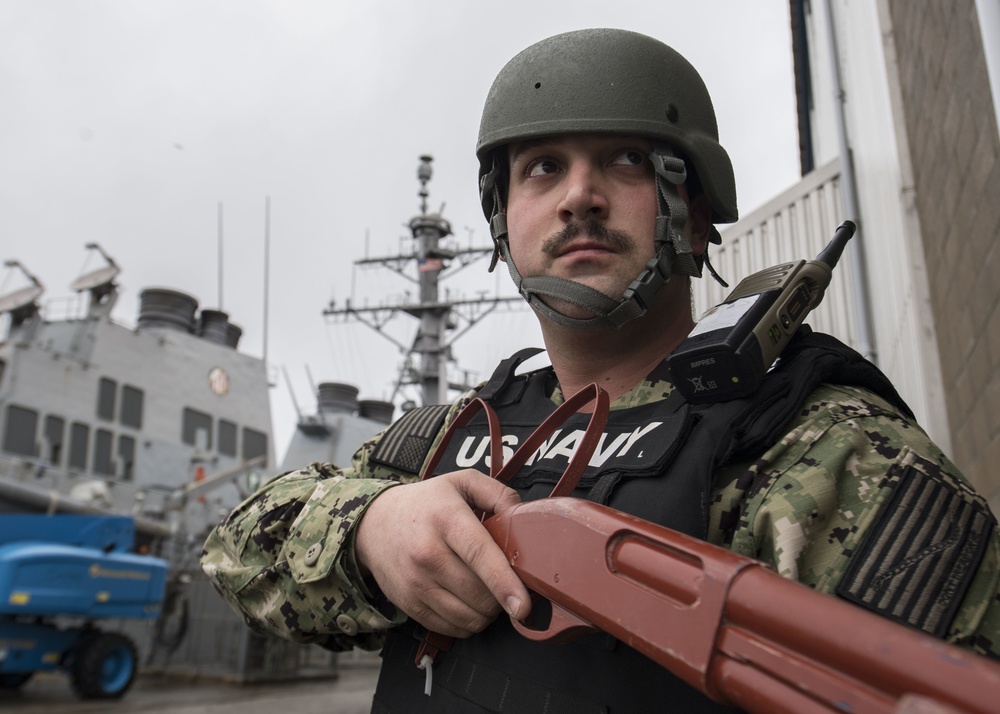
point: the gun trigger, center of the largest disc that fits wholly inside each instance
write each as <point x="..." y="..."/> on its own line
<point x="563" y="626"/>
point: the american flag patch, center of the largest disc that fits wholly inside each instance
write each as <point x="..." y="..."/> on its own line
<point x="918" y="559"/>
<point x="406" y="443"/>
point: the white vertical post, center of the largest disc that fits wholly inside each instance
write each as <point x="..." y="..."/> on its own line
<point x="989" y="26"/>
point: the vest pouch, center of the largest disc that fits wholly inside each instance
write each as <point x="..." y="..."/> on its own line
<point x="500" y="671"/>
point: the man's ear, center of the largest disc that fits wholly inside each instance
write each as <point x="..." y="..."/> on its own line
<point x="699" y="224"/>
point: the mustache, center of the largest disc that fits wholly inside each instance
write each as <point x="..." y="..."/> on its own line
<point x="591" y="227"/>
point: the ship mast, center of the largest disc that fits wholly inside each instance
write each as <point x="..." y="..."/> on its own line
<point x="433" y="261"/>
<point x="428" y="230"/>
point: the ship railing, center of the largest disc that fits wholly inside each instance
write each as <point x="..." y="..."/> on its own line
<point x="73" y="308"/>
<point x="41" y="476"/>
<point x="41" y="486"/>
<point x="65" y="307"/>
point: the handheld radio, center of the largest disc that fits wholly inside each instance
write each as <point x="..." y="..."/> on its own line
<point x="736" y="342"/>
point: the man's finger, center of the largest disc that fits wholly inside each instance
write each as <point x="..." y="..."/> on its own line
<point x="483" y="492"/>
<point x="478" y="550"/>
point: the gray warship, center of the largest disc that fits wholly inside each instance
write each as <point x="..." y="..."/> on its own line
<point x="165" y="420"/>
<point x="168" y="421"/>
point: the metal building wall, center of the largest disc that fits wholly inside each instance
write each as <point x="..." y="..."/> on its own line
<point x="799" y="222"/>
<point x="921" y="123"/>
<point x="945" y="100"/>
<point x="904" y="327"/>
<point x="797" y="225"/>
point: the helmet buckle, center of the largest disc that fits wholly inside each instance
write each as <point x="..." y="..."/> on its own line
<point x="668" y="166"/>
<point x="644" y="288"/>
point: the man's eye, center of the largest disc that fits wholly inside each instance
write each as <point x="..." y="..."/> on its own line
<point x="541" y="167"/>
<point x="631" y="157"/>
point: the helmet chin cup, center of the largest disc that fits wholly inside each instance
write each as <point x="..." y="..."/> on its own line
<point x="608" y="312"/>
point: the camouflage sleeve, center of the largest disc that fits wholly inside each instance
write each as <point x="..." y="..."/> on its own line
<point x="284" y="558"/>
<point x="857" y="501"/>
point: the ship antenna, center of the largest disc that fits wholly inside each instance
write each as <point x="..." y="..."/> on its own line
<point x="267" y="251"/>
<point x="424" y="173"/>
<point x="220" y="255"/>
<point x="312" y="384"/>
<point x="291" y="393"/>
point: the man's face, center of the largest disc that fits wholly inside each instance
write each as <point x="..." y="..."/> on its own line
<point x="582" y="207"/>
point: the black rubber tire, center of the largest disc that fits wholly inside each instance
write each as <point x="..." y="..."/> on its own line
<point x="103" y="666"/>
<point x="14" y="680"/>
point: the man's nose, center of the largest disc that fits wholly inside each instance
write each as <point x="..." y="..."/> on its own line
<point x="585" y="194"/>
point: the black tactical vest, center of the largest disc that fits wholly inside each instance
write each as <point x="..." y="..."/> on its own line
<point x="654" y="461"/>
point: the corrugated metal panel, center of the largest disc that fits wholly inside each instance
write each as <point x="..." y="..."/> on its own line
<point x="799" y="222"/>
<point x="795" y="225"/>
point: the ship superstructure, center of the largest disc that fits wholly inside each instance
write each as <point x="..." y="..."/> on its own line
<point x="165" y="421"/>
<point x="340" y="425"/>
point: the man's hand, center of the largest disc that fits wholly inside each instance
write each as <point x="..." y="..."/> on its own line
<point x="432" y="557"/>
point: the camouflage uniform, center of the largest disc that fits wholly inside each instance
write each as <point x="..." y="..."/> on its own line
<point x="285" y="557"/>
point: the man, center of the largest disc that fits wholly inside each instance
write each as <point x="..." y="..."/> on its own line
<point x="602" y="176"/>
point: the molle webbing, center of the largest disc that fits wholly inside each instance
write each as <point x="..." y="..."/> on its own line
<point x="503" y="672"/>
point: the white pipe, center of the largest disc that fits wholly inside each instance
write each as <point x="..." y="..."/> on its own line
<point x="989" y="27"/>
<point x="862" y="300"/>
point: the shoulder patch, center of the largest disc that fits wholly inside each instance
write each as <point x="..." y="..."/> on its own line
<point x="406" y="443"/>
<point x="918" y="559"/>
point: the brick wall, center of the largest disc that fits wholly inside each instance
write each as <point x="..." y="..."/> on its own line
<point x="955" y="150"/>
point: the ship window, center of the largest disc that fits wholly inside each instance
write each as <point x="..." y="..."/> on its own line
<point x="131" y="414"/>
<point x="102" y="453"/>
<point x="227" y="438"/>
<point x="126" y="456"/>
<point x="20" y="433"/>
<point x="106" y="390"/>
<point x="254" y="444"/>
<point x="55" y="428"/>
<point x="193" y="423"/>
<point x="79" y="435"/>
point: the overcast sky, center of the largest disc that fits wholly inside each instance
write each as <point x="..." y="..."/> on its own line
<point x="127" y="122"/>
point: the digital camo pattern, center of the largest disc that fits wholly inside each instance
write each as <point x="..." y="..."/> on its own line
<point x="258" y="557"/>
<point x="804" y="507"/>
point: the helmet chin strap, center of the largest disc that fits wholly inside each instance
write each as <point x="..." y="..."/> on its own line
<point x="673" y="255"/>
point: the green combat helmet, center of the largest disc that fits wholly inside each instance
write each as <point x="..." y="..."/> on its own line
<point x="616" y="82"/>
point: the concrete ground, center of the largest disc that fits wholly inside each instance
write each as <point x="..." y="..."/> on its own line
<point x="348" y="692"/>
